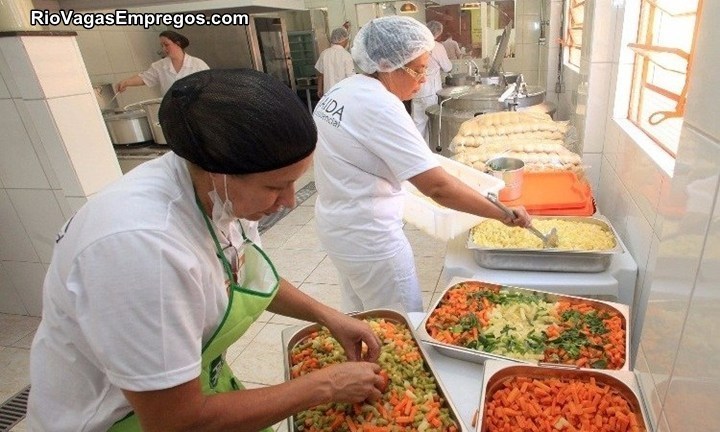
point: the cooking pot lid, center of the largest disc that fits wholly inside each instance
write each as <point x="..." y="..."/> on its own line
<point x="133" y="114"/>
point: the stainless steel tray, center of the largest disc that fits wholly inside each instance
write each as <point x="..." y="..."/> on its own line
<point x="550" y="260"/>
<point x="476" y="356"/>
<point x="292" y="336"/>
<point x="496" y="373"/>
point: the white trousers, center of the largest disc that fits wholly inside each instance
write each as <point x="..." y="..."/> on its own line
<point x="418" y="114"/>
<point x="380" y="284"/>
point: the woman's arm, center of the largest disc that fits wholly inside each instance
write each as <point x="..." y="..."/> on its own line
<point x="130" y="82"/>
<point x="350" y="332"/>
<point x="449" y="191"/>
<point x="186" y="408"/>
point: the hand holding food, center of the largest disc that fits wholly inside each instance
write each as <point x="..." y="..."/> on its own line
<point x="353" y="334"/>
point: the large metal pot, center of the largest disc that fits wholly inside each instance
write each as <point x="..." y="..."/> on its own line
<point x="152" y="108"/>
<point x="129" y="127"/>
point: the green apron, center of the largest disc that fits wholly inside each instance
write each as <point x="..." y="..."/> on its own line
<point x="250" y="289"/>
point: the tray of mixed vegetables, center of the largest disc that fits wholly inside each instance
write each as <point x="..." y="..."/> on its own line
<point x="476" y="321"/>
<point x="413" y="399"/>
<point x="540" y="398"/>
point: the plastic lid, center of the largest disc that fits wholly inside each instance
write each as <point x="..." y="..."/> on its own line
<point x="552" y="190"/>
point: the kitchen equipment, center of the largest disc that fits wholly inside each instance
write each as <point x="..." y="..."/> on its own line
<point x="460" y="103"/>
<point x="480" y="356"/>
<point x="441" y="222"/>
<point x="510" y="170"/>
<point x="129" y="127"/>
<point x="295" y="335"/>
<point x="548" y="260"/>
<point x="623" y="383"/>
<point x="106" y="96"/>
<point x="550" y="240"/>
<point x="554" y="193"/>
<point x="152" y="107"/>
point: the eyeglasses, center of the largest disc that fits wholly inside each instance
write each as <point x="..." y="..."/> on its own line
<point x="415" y="74"/>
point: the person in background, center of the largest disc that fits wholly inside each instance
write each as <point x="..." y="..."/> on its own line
<point x="156" y="276"/>
<point x="175" y="65"/>
<point x="452" y="48"/>
<point x="367" y="146"/>
<point x="427" y="95"/>
<point x="334" y="63"/>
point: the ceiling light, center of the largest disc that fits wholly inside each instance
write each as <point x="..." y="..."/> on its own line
<point x="408" y="7"/>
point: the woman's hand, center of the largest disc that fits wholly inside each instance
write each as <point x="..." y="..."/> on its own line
<point x="122" y="85"/>
<point x="351" y="382"/>
<point x="522" y="218"/>
<point x="352" y="333"/>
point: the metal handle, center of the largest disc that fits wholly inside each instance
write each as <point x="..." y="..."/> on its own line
<point x="494" y="199"/>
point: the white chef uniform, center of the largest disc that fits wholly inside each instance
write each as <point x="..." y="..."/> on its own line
<point x="427" y="95"/>
<point x="96" y="335"/>
<point x="336" y="64"/>
<point x="163" y="73"/>
<point x="367" y="145"/>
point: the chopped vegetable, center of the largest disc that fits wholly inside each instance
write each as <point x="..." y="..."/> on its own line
<point x="410" y="400"/>
<point x="526" y="326"/>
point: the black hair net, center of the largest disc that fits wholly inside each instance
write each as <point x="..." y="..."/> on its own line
<point x="236" y="121"/>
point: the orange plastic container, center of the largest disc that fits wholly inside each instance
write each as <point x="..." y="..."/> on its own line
<point x="555" y="193"/>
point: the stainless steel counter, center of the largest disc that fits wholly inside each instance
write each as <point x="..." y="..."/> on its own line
<point x="131" y="156"/>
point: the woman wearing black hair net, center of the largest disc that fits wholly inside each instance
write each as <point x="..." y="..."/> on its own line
<point x="367" y="146"/>
<point x="154" y="277"/>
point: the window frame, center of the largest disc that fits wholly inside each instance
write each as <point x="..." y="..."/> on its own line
<point x="572" y="47"/>
<point x="648" y="57"/>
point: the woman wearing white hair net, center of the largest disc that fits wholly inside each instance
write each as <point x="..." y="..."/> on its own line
<point x="335" y="63"/>
<point x="368" y="145"/>
<point x="427" y="95"/>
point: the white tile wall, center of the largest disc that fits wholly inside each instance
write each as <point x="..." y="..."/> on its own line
<point x="10" y="301"/>
<point x="55" y="63"/>
<point x="704" y="72"/>
<point x="4" y="92"/>
<point x="119" y="51"/>
<point x="41" y="217"/>
<point x="19" y="67"/>
<point x="54" y="147"/>
<point x="7" y="77"/>
<point x="86" y="141"/>
<point x="27" y="277"/>
<point x="37" y="144"/>
<point x="93" y="52"/>
<point x="23" y="169"/>
<point x="15" y="244"/>
<point x="598" y="93"/>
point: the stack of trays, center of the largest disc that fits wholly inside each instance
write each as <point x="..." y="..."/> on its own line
<point x="555" y="193"/>
<point x="551" y="362"/>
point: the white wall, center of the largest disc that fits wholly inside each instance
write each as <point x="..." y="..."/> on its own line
<point x="55" y="153"/>
<point x="666" y="211"/>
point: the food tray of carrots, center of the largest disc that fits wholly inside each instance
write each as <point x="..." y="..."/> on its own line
<point x="478" y="321"/>
<point x="540" y="398"/>
<point x="413" y="400"/>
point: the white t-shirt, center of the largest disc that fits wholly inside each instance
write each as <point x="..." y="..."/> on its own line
<point x="133" y="292"/>
<point x="367" y="145"/>
<point x="452" y="48"/>
<point x="438" y="61"/>
<point x="163" y="73"/>
<point x="336" y="64"/>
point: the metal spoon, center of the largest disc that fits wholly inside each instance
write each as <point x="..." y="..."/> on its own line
<point x="550" y="240"/>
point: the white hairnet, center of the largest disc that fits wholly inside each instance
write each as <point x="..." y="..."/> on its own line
<point x="435" y="28"/>
<point x="338" y="35"/>
<point x="387" y="43"/>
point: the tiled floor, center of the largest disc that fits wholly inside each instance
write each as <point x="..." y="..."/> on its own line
<point x="257" y="357"/>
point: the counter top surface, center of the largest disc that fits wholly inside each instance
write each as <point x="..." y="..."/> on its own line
<point x="141" y="151"/>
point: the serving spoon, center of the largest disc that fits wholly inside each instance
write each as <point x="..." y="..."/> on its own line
<point x="550" y="240"/>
